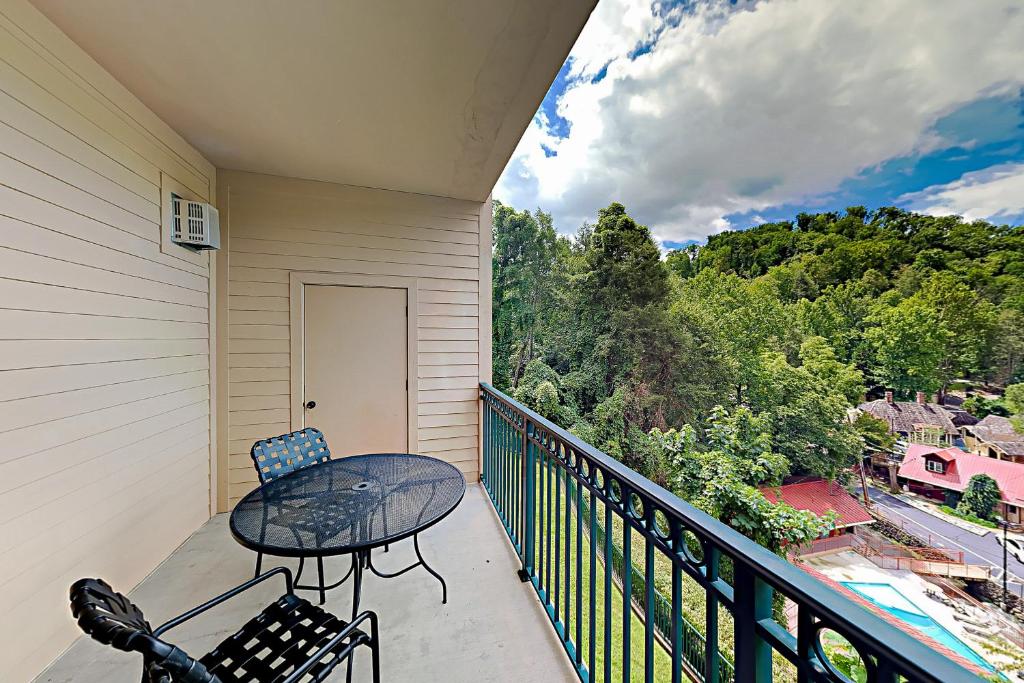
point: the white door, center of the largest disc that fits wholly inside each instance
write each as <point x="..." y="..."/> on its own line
<point x="355" y="367"/>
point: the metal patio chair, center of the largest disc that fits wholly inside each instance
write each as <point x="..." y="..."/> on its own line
<point x="281" y="455"/>
<point x="289" y="641"/>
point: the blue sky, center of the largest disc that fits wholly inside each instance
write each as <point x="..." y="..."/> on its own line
<point x="710" y="116"/>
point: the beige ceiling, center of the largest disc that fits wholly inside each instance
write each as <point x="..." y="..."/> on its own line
<point x="424" y="96"/>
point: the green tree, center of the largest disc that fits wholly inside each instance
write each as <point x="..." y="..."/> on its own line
<point x="818" y="358"/>
<point x="980" y="496"/>
<point x="721" y="476"/>
<point x="907" y="346"/>
<point x="522" y="263"/>
<point x="807" y="418"/>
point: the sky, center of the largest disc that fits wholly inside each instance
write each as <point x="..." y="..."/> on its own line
<point x="708" y="116"/>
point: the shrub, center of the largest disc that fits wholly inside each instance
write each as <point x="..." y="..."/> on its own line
<point x="980" y="497"/>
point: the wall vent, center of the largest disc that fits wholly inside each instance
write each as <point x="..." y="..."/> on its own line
<point x="195" y="225"/>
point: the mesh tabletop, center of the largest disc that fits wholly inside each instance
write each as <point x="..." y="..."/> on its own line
<point x="347" y="504"/>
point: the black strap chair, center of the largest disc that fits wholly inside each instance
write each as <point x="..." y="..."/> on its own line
<point x="281" y="455"/>
<point x="289" y="641"/>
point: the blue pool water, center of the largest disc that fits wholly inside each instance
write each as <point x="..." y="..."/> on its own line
<point x="885" y="596"/>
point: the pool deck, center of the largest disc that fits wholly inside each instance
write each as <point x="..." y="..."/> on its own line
<point x="848" y="566"/>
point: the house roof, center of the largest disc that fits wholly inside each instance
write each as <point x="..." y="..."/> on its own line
<point x="998" y="431"/>
<point x="963" y="466"/>
<point x="931" y="643"/>
<point x="960" y="417"/>
<point x="819" y="496"/>
<point x="905" y="416"/>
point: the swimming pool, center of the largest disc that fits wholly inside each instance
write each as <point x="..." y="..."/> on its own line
<point x="886" y="596"/>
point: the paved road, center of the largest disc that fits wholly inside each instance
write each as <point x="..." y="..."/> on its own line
<point x="977" y="549"/>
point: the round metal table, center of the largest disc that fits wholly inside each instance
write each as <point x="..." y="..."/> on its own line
<point x="349" y="506"/>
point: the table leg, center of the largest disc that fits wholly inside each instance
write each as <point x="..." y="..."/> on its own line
<point x="357" y="582"/>
<point x="444" y="586"/>
<point x="320" y="571"/>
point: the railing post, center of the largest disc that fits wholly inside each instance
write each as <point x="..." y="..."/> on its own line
<point x="753" y="602"/>
<point x="528" y="482"/>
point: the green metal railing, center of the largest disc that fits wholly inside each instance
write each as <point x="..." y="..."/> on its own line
<point x="694" y="645"/>
<point x="543" y="481"/>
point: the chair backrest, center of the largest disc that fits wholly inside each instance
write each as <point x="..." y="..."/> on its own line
<point x="112" y="619"/>
<point x="279" y="455"/>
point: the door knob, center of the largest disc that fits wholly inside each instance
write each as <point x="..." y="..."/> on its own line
<point x="310" y="405"/>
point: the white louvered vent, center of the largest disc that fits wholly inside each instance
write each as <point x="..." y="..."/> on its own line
<point x="194" y="224"/>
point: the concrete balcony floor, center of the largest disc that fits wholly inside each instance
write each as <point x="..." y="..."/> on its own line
<point x="492" y="629"/>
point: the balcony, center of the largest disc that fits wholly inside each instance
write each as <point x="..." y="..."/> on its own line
<point x="531" y="545"/>
<point x="491" y="629"/>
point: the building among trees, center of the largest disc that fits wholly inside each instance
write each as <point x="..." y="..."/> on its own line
<point x="944" y="473"/>
<point x="995" y="437"/>
<point x="918" y="421"/>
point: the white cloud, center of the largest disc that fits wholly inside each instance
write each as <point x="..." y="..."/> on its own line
<point x="738" y="110"/>
<point x="995" y="193"/>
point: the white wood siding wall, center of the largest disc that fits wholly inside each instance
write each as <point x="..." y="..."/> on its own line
<point x="104" y="344"/>
<point x="279" y="225"/>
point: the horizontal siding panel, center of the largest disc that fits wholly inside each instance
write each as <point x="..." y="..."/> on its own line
<point x="33" y="296"/>
<point x="448" y="346"/>
<point x="259" y="332"/>
<point x="20" y="472"/>
<point x="18" y="354"/>
<point x="258" y="317"/>
<point x="104" y="339"/>
<point x="447" y="322"/>
<point x="448" y="444"/>
<point x="255" y="432"/>
<point x="36" y="535"/>
<point x="25" y="442"/>
<point x="283" y="248"/>
<point x="428" y="434"/>
<point x="259" y="401"/>
<point x="364" y="236"/>
<point x="258" y="289"/>
<point x="471" y="310"/>
<point x="447" y="358"/>
<point x="277" y="208"/>
<point x="448" y="419"/>
<point x="433" y="296"/>
<point x="258" y="303"/>
<point x="28" y="267"/>
<point x="440" y="333"/>
<point x="427" y="383"/>
<point x="68" y="104"/>
<point x="336" y="265"/>
<point x="42" y="325"/>
<point x="38" y="127"/>
<point x="259" y="389"/>
<point x="260" y="417"/>
<point x="264" y="275"/>
<point x="446" y="395"/>
<point x="48" y="380"/>
<point x="258" y="374"/>
<point x="35" y="410"/>
<point x="246" y="346"/>
<point x="25" y="500"/>
<point x="91" y="242"/>
<point x="43" y="158"/>
<point x="259" y="360"/>
<point x="469" y="370"/>
<point x="450" y="407"/>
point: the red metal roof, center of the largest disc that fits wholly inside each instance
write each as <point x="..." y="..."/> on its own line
<point x="895" y="621"/>
<point x="819" y="496"/>
<point x="960" y="468"/>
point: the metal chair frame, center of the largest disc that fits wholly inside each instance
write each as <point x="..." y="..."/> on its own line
<point x="110" y="618"/>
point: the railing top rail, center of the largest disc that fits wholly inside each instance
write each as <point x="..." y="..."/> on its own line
<point x="910" y="655"/>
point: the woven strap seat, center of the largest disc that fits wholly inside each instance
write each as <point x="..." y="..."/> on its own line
<point x="283" y="637"/>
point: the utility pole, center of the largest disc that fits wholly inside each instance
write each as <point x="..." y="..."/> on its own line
<point x="1006" y="601"/>
<point x="864" y="485"/>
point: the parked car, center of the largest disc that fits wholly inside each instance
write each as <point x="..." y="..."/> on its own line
<point x="1014" y="545"/>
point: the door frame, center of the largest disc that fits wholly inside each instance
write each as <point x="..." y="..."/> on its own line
<point x="296" y="288"/>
